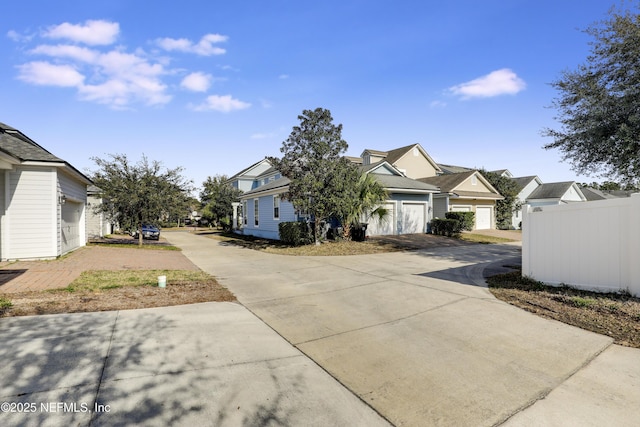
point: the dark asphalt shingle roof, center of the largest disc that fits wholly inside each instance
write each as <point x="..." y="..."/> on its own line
<point x="523" y="181"/>
<point x="401" y="182"/>
<point x="552" y="190"/>
<point x="278" y="183"/>
<point x="449" y="169"/>
<point x="448" y="182"/>
<point x="16" y="144"/>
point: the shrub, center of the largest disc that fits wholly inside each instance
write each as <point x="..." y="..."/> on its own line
<point x="465" y="220"/>
<point x="295" y="233"/>
<point x="444" y="227"/>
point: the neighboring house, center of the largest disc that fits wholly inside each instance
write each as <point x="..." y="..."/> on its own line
<point x="263" y="207"/>
<point x="247" y="179"/>
<point x="42" y="200"/>
<point x="533" y="192"/>
<point x="556" y="193"/>
<point x="410" y="202"/>
<point x="97" y="224"/>
<point x="527" y="185"/>
<point x="412" y="160"/>
<point x="466" y="192"/>
<point x="595" y="194"/>
<point x="462" y="189"/>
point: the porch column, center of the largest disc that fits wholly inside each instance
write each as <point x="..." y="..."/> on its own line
<point x="235" y="214"/>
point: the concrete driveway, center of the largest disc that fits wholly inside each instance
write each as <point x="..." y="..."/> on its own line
<point x="418" y="336"/>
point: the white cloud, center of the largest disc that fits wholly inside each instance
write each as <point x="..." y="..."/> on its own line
<point x="17" y="37"/>
<point x="205" y="47"/>
<point x="224" y="103"/>
<point x="499" y="82"/>
<point x="197" y="82"/>
<point x="119" y="93"/>
<point x="91" y="33"/>
<point x="116" y="76"/>
<point x="67" y="51"/>
<point x="283" y="76"/>
<point x="47" y="74"/>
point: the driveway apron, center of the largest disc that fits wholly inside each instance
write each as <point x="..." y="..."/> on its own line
<point x="416" y="335"/>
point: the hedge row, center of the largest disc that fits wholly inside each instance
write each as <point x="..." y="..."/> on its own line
<point x="453" y="224"/>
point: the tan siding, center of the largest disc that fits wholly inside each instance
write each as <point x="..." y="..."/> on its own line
<point x="468" y="186"/>
<point x="415" y="166"/>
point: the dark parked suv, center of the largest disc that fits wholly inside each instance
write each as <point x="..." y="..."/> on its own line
<point x="148" y="232"/>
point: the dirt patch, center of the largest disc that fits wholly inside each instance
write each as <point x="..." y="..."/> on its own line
<point x="124" y="298"/>
<point x="615" y="315"/>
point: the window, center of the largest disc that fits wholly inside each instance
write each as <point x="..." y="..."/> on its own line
<point x="256" y="211"/>
<point x="276" y="206"/>
<point x="244" y="212"/>
<point x="474" y="180"/>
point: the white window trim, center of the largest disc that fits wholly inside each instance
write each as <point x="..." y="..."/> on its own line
<point x="245" y="214"/>
<point x="276" y="197"/>
<point x="256" y="212"/>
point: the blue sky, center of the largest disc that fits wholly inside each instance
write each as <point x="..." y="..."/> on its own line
<point x="215" y="86"/>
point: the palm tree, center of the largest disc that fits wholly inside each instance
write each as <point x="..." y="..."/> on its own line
<point x="367" y="205"/>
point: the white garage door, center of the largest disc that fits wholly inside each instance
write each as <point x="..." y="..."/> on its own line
<point x="483" y="218"/>
<point x="413" y="218"/>
<point x="70" y="226"/>
<point x="382" y="227"/>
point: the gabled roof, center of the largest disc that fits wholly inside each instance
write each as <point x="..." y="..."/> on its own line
<point x="353" y="159"/>
<point x="552" y="190"/>
<point x="448" y="169"/>
<point x="595" y="194"/>
<point x="523" y="181"/>
<point x="395" y="181"/>
<point x="503" y="172"/>
<point x="375" y="152"/>
<point x="397" y="153"/>
<point x="398" y="184"/>
<point x="247" y="171"/>
<point x="277" y="184"/>
<point x="16" y="148"/>
<point x="448" y="183"/>
<point x="18" y="145"/>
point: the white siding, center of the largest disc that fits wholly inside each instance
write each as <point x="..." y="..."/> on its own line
<point x="386" y="226"/>
<point x="71" y="188"/>
<point x="31" y="227"/>
<point x="97" y="224"/>
<point x="76" y="195"/>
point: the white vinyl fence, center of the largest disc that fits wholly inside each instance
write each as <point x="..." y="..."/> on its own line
<point x="589" y="245"/>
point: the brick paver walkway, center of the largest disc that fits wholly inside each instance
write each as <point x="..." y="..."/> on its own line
<point x="39" y="275"/>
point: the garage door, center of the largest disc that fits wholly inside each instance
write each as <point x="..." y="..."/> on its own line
<point x="70" y="226"/>
<point x="413" y="218"/>
<point x="483" y="218"/>
<point x="384" y="227"/>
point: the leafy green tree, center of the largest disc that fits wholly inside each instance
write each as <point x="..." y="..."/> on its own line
<point x="322" y="181"/>
<point x="138" y="193"/>
<point x="505" y="207"/>
<point x="599" y="103"/>
<point x="216" y="197"/>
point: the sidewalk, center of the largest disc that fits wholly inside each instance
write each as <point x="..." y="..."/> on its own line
<point x="209" y="364"/>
